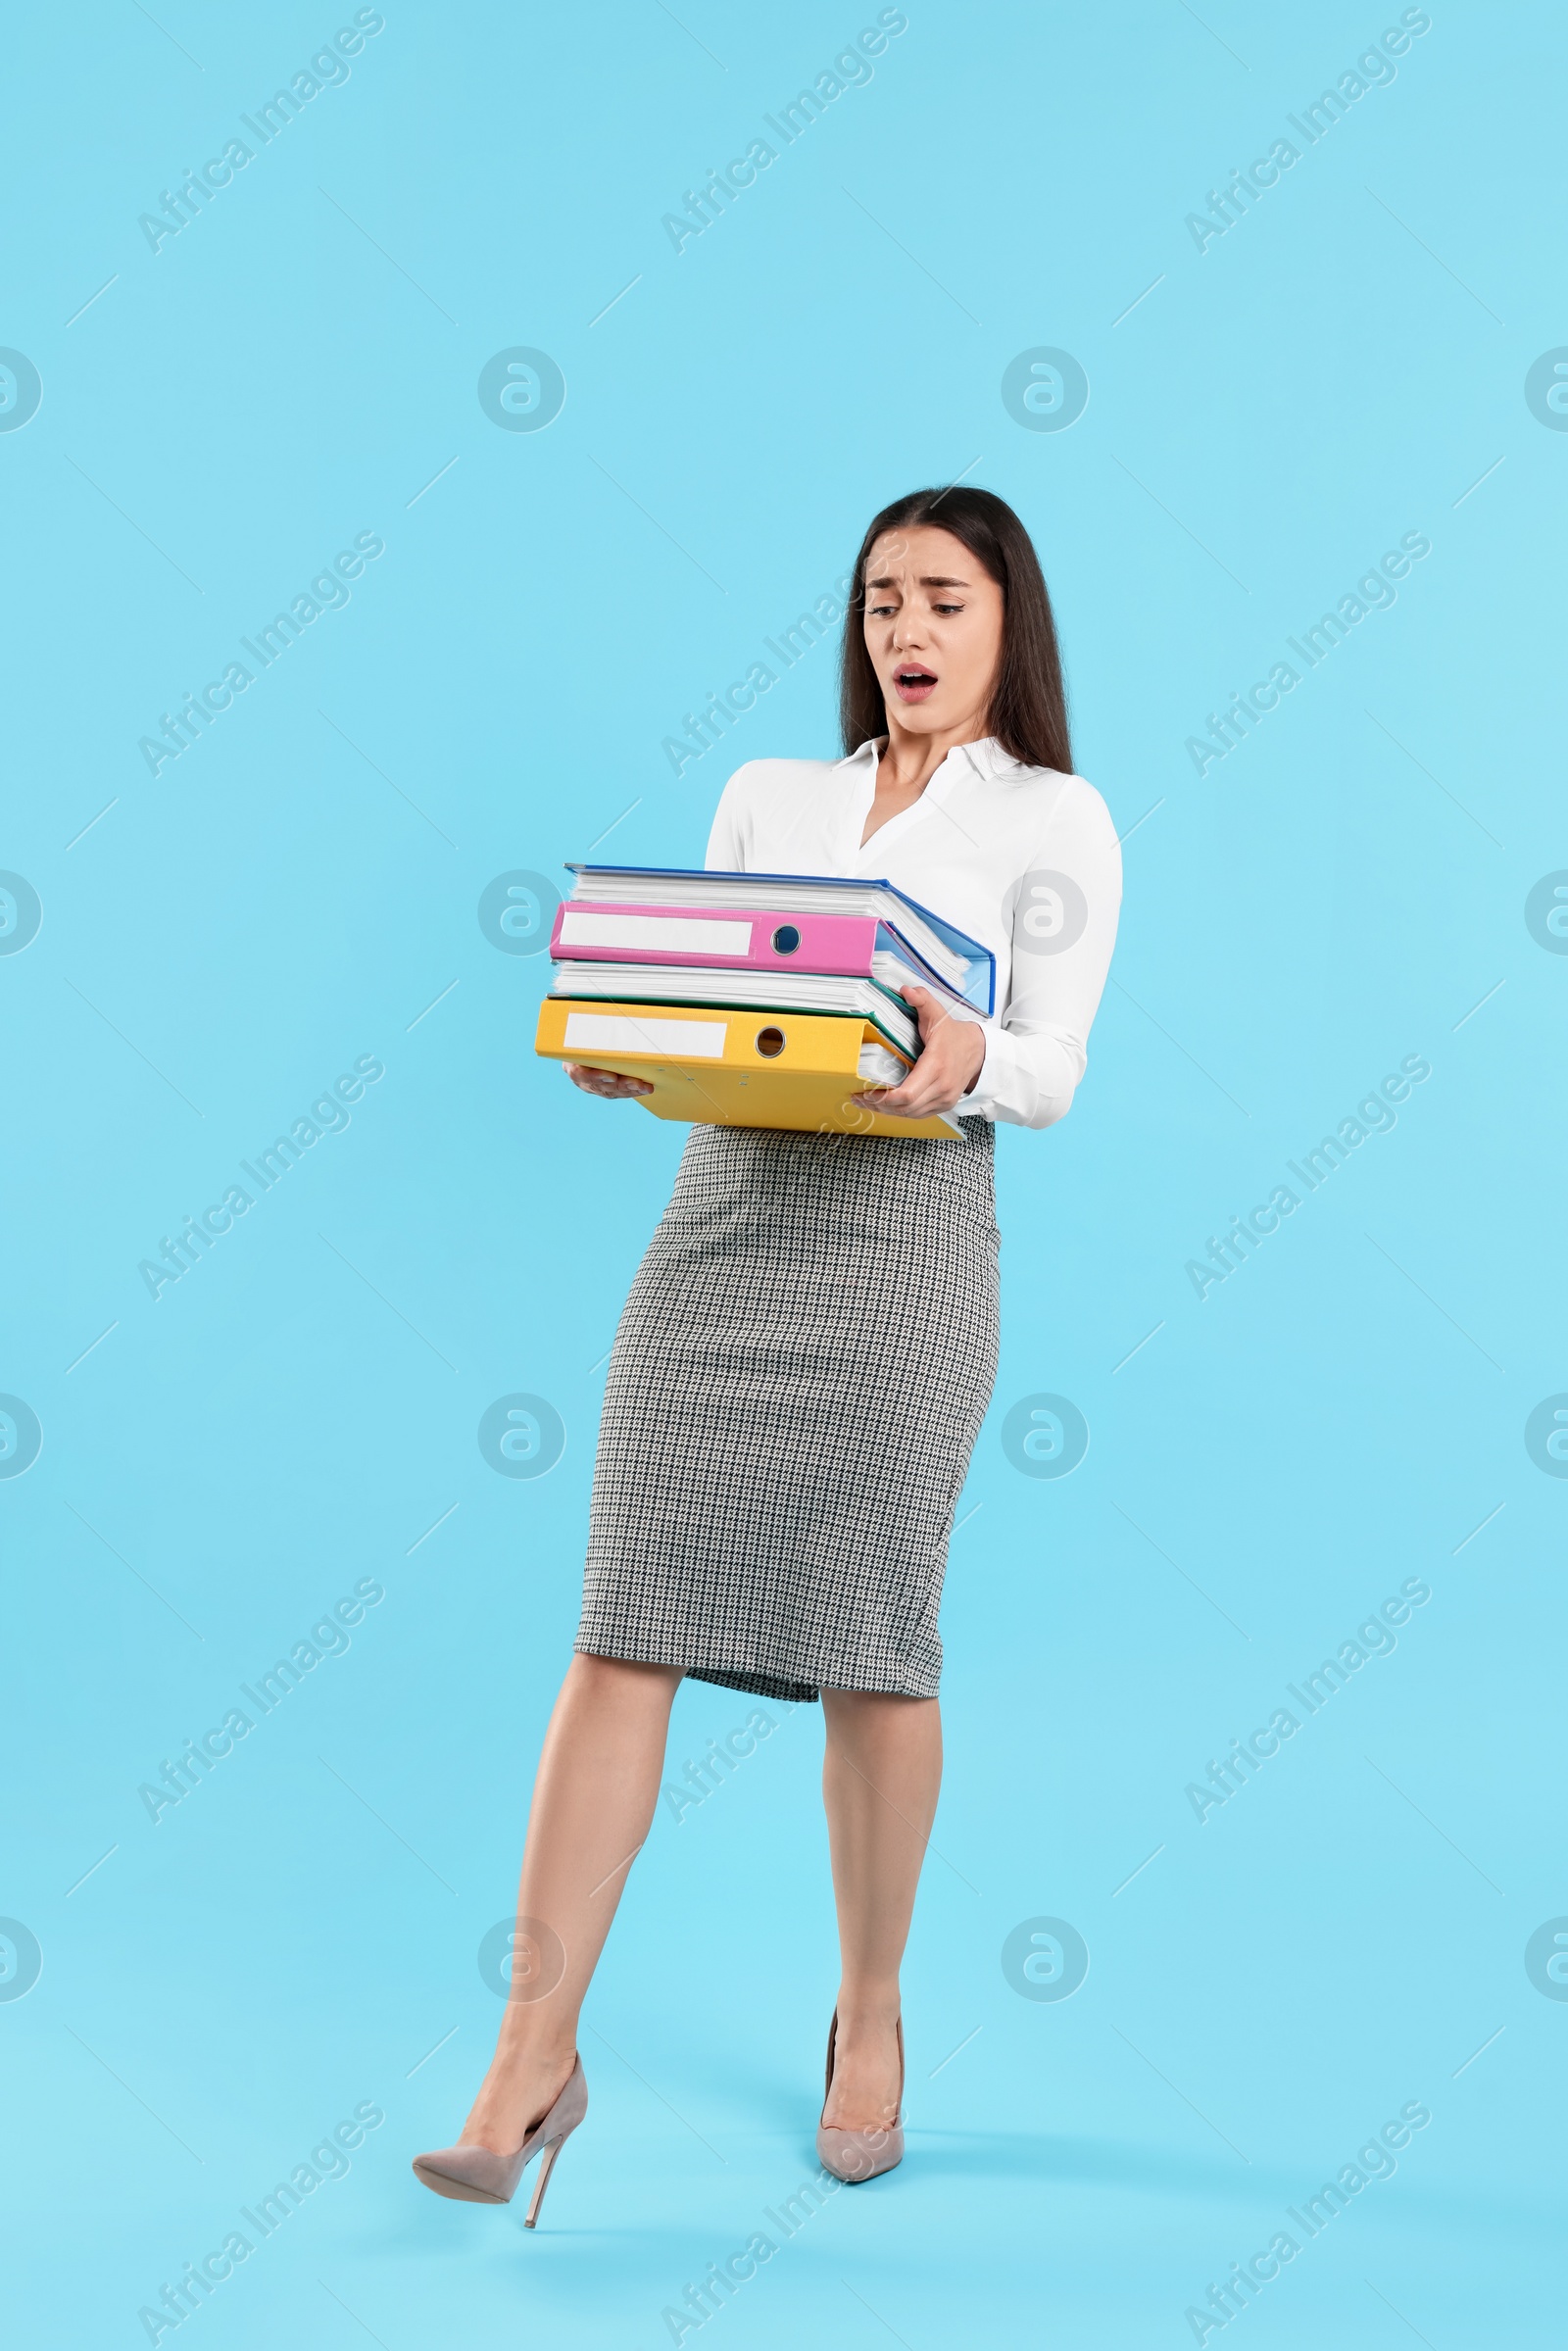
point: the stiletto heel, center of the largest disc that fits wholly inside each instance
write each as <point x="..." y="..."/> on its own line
<point x="542" y="2181"/>
<point x="855" y="2155"/>
<point x="478" y="2176"/>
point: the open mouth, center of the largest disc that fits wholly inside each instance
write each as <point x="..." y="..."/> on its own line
<point x="915" y="682"/>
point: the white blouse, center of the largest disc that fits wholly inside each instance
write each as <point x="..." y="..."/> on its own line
<point x="1024" y="860"/>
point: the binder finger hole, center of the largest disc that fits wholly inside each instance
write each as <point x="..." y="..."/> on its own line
<point x="770" y="1042"/>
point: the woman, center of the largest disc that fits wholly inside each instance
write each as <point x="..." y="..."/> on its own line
<point x="810" y="1345"/>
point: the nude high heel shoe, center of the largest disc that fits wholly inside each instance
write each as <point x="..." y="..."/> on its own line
<point x="855" y="2155"/>
<point x="476" y="2176"/>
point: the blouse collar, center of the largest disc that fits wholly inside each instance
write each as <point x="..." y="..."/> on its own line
<point x="986" y="756"/>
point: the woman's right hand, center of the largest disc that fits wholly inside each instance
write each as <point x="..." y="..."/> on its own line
<point x="606" y="1082"/>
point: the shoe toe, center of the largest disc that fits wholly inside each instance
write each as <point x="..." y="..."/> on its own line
<point x="451" y="2172"/>
<point x="855" y="2155"/>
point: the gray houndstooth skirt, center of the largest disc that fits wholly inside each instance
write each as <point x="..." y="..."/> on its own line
<point x="795" y="1391"/>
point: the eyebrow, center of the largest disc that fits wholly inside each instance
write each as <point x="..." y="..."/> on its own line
<point x="930" y="579"/>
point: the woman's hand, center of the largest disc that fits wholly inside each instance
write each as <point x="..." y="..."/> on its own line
<point x="606" y="1082"/>
<point x="952" y="1052"/>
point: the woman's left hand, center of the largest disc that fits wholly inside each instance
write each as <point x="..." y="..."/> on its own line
<point x="952" y="1052"/>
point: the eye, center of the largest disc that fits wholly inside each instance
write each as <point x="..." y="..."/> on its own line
<point x="947" y="608"/>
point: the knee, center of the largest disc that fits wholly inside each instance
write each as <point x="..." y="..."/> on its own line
<point x="612" y="1678"/>
<point x="877" y="1720"/>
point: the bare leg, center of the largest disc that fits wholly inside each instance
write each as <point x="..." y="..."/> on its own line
<point x="593" y="1801"/>
<point x="880" y="1777"/>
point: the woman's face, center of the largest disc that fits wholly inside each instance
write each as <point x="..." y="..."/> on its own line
<point x="933" y="629"/>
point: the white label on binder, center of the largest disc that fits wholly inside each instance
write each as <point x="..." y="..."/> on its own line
<point x="681" y="935"/>
<point x="624" y="1033"/>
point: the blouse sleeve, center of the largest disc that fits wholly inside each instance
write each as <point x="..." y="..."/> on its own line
<point x="726" y="841"/>
<point x="1062" y="913"/>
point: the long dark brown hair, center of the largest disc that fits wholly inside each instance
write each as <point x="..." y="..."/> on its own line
<point x="1029" y="709"/>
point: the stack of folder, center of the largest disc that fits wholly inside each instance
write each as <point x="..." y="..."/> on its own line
<point x="755" y="999"/>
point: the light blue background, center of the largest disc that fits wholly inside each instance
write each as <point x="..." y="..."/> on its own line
<point x="300" y="888"/>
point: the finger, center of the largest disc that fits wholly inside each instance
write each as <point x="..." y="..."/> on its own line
<point x="896" y="1103"/>
<point x="912" y="1091"/>
<point x="610" y="1084"/>
<point x="927" y="1091"/>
